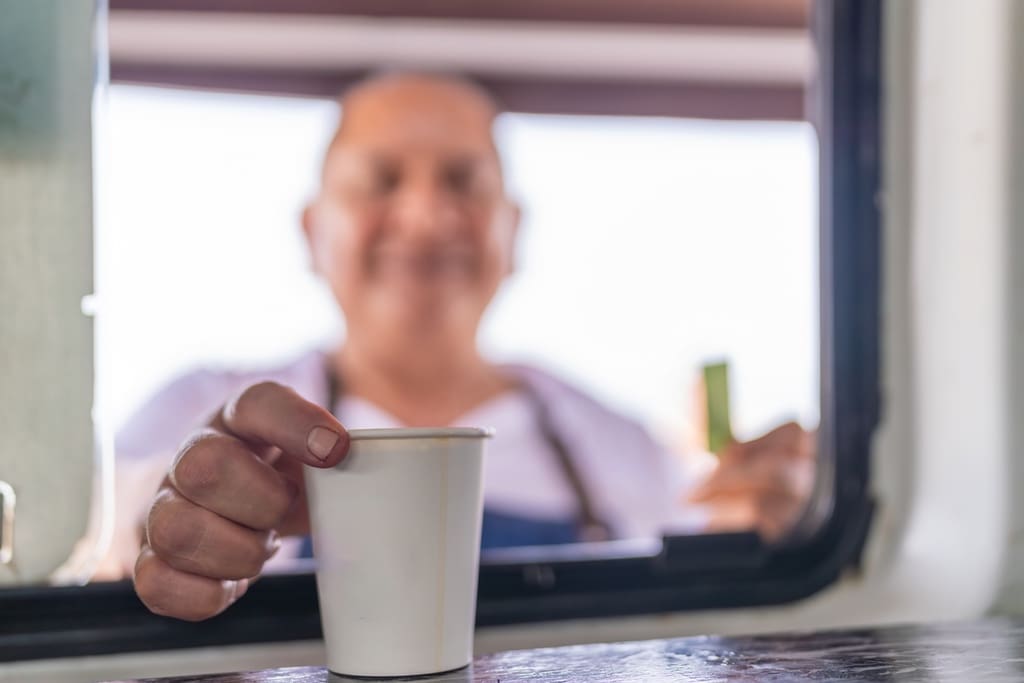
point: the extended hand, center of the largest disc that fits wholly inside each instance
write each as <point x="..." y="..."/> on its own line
<point x="234" y="489"/>
<point x="762" y="484"/>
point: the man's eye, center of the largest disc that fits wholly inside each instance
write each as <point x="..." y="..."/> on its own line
<point x="459" y="178"/>
<point x="385" y="181"/>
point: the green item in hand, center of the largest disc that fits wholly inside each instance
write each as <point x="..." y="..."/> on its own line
<point x="716" y="395"/>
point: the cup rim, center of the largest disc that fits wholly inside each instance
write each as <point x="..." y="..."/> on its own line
<point x="421" y="433"/>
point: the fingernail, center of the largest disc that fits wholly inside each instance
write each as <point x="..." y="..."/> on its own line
<point x="241" y="586"/>
<point x="321" y="441"/>
<point x="273" y="543"/>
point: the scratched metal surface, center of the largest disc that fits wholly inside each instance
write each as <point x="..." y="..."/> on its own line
<point x="990" y="651"/>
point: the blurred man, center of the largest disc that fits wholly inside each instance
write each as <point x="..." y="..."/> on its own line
<point x="413" y="232"/>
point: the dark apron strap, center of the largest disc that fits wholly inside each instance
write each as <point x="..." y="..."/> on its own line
<point x="591" y="528"/>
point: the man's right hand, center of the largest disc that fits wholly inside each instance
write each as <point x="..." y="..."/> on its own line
<point x="235" y="488"/>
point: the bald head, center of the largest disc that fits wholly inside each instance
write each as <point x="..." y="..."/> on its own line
<point x="407" y="109"/>
<point x="424" y="92"/>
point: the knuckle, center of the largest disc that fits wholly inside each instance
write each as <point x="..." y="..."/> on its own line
<point x="172" y="530"/>
<point x="199" y="468"/>
<point x="152" y="587"/>
<point x="255" y="394"/>
<point x="145" y="583"/>
<point x="163" y="603"/>
<point x="241" y="560"/>
<point x="164" y="593"/>
<point x="158" y="602"/>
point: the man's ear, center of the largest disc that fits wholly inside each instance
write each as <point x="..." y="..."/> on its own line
<point x="309" y="232"/>
<point x="514" y="218"/>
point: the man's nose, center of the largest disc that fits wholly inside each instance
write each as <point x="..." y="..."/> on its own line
<point x="425" y="210"/>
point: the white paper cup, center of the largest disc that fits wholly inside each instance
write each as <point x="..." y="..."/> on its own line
<point x="396" y="536"/>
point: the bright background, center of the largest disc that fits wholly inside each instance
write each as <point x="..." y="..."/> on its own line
<point x="648" y="247"/>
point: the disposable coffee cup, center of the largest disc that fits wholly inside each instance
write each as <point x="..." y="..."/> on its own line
<point x="396" y="537"/>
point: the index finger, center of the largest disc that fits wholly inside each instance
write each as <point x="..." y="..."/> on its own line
<point x="275" y="415"/>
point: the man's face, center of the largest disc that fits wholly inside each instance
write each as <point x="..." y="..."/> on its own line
<point x="412" y="229"/>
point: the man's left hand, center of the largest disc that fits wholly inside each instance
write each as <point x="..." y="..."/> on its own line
<point x="762" y="484"/>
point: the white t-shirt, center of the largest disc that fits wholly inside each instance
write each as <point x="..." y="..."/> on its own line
<point x="521" y="473"/>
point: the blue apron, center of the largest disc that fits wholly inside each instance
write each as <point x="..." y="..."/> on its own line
<point x="502" y="530"/>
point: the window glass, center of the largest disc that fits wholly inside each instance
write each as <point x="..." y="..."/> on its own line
<point x="648" y="247"/>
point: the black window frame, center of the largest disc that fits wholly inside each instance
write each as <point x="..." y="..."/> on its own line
<point x="689" y="573"/>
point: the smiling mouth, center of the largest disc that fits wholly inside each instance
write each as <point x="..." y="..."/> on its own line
<point x="423" y="266"/>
